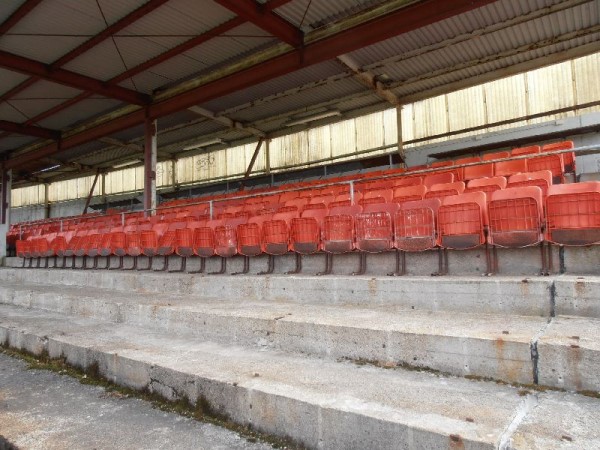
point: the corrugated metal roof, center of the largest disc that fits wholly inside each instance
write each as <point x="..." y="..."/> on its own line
<point x="83" y="110"/>
<point x="314" y="14"/>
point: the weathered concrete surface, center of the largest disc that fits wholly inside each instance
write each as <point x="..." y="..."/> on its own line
<point x="516" y="262"/>
<point x="46" y="411"/>
<point x="324" y="404"/>
<point x="577" y="296"/>
<point x="321" y="403"/>
<point x="529" y="296"/>
<point x="569" y="354"/>
<point x="458" y="343"/>
<point x="560" y="421"/>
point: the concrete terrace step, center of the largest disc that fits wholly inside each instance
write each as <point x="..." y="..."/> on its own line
<point x="531" y="296"/>
<point x="462" y="344"/>
<point x="320" y="403"/>
<point x="515" y="349"/>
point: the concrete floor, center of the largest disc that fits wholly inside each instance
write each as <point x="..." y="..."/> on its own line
<point x="45" y="410"/>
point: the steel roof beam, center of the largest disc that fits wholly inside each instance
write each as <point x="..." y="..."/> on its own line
<point x="187" y="45"/>
<point x="330" y="46"/>
<point x="19" y="14"/>
<point x="72" y="79"/>
<point x="368" y="79"/>
<point x="29" y="130"/>
<point x="90" y="43"/>
<point x="262" y="16"/>
<point x="226" y="121"/>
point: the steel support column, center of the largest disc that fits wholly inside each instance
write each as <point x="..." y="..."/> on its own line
<point x="150" y="151"/>
<point x="91" y="193"/>
<point x="46" y="200"/>
<point x="400" y="139"/>
<point x="6" y="187"/>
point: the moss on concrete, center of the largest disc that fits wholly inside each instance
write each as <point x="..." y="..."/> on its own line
<point x="198" y="409"/>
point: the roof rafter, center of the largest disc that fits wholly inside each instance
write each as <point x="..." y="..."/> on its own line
<point x="368" y="79"/>
<point x="29" y="130"/>
<point x="72" y="79"/>
<point x="342" y="38"/>
<point x="227" y="121"/>
<point x="90" y="43"/>
<point x="19" y="14"/>
<point x="262" y="16"/>
<point x="187" y="45"/>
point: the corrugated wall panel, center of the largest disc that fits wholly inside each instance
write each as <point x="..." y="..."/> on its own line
<point x="430" y="117"/>
<point x="586" y="81"/>
<point x="506" y="99"/>
<point x="185" y="170"/>
<point x="369" y="131"/>
<point x="163" y="174"/>
<point x="236" y="160"/>
<point x="544" y="84"/>
<point x="319" y="143"/>
<point x="343" y="138"/>
<point x="390" y="127"/>
<point x="466" y="108"/>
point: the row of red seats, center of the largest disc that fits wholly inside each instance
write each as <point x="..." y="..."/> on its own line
<point x="511" y="217"/>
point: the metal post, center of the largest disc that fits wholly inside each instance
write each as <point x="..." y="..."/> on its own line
<point x="89" y="197"/>
<point x="400" y="140"/>
<point x="6" y="187"/>
<point x="150" y="150"/>
<point x="268" y="156"/>
<point x="253" y="160"/>
<point x="46" y="201"/>
<point x="61" y="226"/>
<point x="122" y="219"/>
<point x="352" y="192"/>
<point x="210" y="209"/>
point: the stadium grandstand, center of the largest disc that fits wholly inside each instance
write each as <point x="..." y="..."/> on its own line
<point x="345" y="224"/>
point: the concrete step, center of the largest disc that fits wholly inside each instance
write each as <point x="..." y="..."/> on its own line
<point x="533" y="296"/>
<point x="320" y="403"/>
<point x="524" y="296"/>
<point x="514" y="349"/>
<point x="42" y="410"/>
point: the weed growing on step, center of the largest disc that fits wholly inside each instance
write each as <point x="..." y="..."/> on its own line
<point x="524" y="388"/>
<point x="200" y="410"/>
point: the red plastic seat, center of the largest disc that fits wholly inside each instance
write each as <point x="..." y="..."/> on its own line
<point x="548" y="161"/>
<point x="461" y="171"/>
<point x="541" y="179"/>
<point x="531" y="150"/>
<point x="305" y="231"/>
<point x="204" y="238"/>
<point x="415" y="225"/>
<point x="338" y="234"/>
<point x="438" y="178"/>
<point x="226" y="243"/>
<point x="445" y="189"/>
<point x="250" y="235"/>
<point x="438" y="164"/>
<point x="374" y="227"/>
<point x="508" y="168"/>
<point x="486" y="185"/>
<point x="462" y="220"/>
<point x="568" y="158"/>
<point x="385" y="194"/>
<point x="276" y="233"/>
<point x="407" y="181"/>
<point x="573" y="213"/>
<point x="409" y="193"/>
<point x="515" y="217"/>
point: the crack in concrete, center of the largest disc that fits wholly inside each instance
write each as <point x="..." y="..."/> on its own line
<point x="526" y="406"/>
<point x="533" y="346"/>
